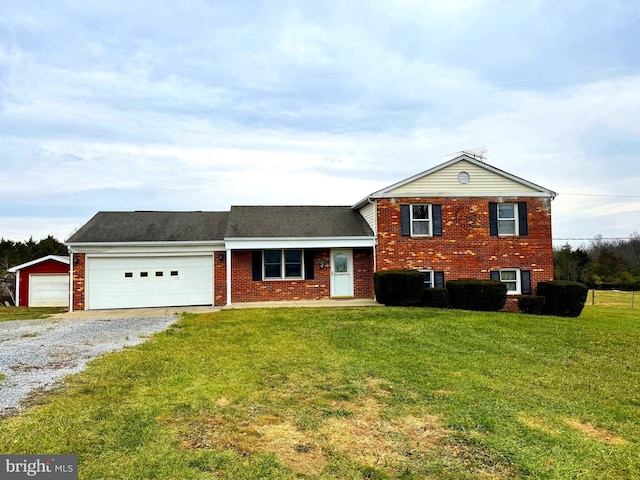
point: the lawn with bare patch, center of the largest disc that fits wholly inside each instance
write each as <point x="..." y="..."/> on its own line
<point x="357" y="393"/>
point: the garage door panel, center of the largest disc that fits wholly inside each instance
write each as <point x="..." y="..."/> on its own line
<point x="129" y="282"/>
<point x="48" y="290"/>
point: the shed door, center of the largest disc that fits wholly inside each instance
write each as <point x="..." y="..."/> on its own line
<point x="48" y="290"/>
<point x="138" y="282"/>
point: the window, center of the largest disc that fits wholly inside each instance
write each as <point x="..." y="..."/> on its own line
<point x="144" y="274"/>
<point x="433" y="278"/>
<point x="420" y="220"/>
<point x="518" y="281"/>
<point x="174" y="273"/>
<point x="428" y="278"/>
<point x="507" y="219"/>
<point x="159" y="274"/>
<point x="511" y="277"/>
<point x="283" y="264"/>
<point x="128" y="274"/>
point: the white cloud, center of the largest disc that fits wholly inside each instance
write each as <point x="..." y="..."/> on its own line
<point x="197" y="105"/>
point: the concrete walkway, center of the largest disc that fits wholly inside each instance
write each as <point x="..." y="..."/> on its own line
<point x="343" y="302"/>
<point x="177" y="311"/>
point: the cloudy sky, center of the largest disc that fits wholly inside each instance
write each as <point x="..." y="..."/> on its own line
<point x="199" y="105"/>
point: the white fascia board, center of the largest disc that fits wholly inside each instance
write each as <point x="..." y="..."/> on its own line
<point x="146" y="248"/>
<point x="56" y="258"/>
<point x="492" y="194"/>
<point x="288" y="242"/>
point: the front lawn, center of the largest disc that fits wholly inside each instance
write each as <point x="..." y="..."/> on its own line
<point x="354" y="393"/>
<point x="28" y="313"/>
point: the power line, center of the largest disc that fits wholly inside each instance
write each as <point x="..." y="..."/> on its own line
<point x="598" y="195"/>
<point x="596" y="239"/>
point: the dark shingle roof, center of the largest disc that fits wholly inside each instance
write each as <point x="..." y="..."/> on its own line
<point x="152" y="227"/>
<point x="295" y="221"/>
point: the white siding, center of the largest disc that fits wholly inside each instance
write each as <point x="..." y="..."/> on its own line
<point x="369" y="214"/>
<point x="445" y="183"/>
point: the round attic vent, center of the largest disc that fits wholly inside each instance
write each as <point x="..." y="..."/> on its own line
<point x="464" y="177"/>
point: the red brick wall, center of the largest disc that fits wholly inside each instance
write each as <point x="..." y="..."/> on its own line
<point x="245" y="289"/>
<point x="78" y="272"/>
<point x="220" y="279"/>
<point x="465" y="249"/>
<point x="363" y="273"/>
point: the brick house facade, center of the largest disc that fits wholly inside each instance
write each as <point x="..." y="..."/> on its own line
<point x="460" y="219"/>
<point x="466" y="248"/>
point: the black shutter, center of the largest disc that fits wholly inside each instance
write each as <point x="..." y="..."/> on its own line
<point x="309" y="256"/>
<point x="405" y="220"/>
<point x="256" y="265"/>
<point x="495" y="275"/>
<point x="436" y="210"/>
<point x="525" y="279"/>
<point x="523" y="228"/>
<point x="438" y="279"/>
<point x="493" y="219"/>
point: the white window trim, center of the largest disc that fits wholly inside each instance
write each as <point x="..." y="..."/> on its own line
<point x="433" y="280"/>
<point x="411" y="219"/>
<point x="515" y="220"/>
<point x="518" y="280"/>
<point x="282" y="266"/>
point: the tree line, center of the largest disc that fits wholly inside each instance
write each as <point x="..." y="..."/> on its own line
<point x="603" y="264"/>
<point x="16" y="253"/>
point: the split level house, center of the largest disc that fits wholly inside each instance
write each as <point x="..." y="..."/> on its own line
<point x="461" y="219"/>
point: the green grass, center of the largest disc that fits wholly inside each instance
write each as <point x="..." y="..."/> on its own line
<point x="614" y="298"/>
<point x="354" y="393"/>
<point x="27" y="313"/>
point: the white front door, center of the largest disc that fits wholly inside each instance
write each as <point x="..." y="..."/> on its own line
<point x="341" y="273"/>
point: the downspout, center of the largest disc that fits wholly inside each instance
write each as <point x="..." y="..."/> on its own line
<point x="71" y="275"/>
<point x="228" y="256"/>
<point x="375" y="233"/>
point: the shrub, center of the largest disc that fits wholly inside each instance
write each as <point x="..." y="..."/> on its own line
<point x="533" y="304"/>
<point x="563" y="298"/>
<point x="398" y="287"/>
<point x="472" y="294"/>
<point x="435" y="297"/>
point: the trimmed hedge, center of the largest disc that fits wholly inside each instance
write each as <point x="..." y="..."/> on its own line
<point x="563" y="298"/>
<point x="435" y="297"/>
<point x="398" y="287"/>
<point x="533" y="304"/>
<point x="473" y="294"/>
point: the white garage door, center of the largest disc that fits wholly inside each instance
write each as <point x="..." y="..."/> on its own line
<point x="49" y="290"/>
<point x="134" y="282"/>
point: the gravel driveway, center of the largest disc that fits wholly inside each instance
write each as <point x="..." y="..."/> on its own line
<point x="36" y="354"/>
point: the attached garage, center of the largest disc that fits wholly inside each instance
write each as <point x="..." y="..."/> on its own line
<point x="148" y="259"/>
<point x="43" y="282"/>
<point x="153" y="281"/>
